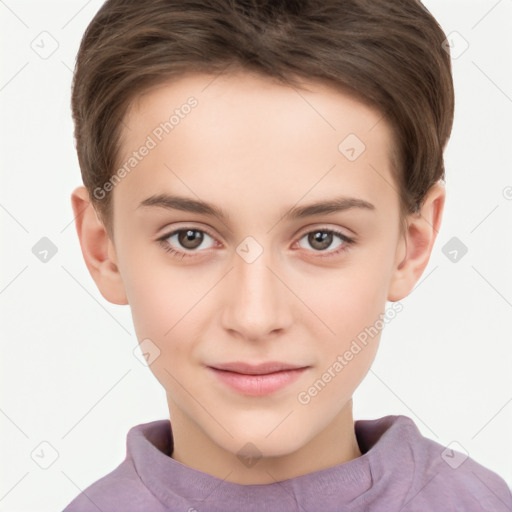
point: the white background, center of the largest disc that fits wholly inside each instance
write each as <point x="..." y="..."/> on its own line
<point x="69" y="376"/>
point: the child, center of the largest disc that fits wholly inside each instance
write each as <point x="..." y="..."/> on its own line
<point x="264" y="176"/>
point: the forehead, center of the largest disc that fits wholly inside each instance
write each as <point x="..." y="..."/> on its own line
<point x="223" y="100"/>
<point x="238" y="134"/>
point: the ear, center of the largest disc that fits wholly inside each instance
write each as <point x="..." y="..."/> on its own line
<point x="416" y="244"/>
<point x="97" y="248"/>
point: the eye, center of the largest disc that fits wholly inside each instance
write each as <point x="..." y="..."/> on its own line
<point x="185" y="242"/>
<point x="186" y="238"/>
<point x="321" y="239"/>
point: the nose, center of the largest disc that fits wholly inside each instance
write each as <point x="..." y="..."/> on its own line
<point x="259" y="304"/>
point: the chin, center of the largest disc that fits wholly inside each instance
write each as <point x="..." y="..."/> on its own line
<point x="266" y="441"/>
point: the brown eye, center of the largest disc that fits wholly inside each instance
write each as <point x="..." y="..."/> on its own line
<point x="190" y="238"/>
<point x="187" y="239"/>
<point x="320" y="240"/>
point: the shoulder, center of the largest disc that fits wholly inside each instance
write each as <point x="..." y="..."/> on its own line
<point x="447" y="477"/>
<point x="119" y="490"/>
<point x="124" y="489"/>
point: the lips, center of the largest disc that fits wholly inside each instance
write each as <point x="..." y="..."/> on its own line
<point x="257" y="379"/>
<point x="256" y="369"/>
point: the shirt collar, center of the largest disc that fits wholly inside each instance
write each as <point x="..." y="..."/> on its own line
<point x="177" y="485"/>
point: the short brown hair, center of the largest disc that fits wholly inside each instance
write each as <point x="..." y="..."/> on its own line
<point x="388" y="53"/>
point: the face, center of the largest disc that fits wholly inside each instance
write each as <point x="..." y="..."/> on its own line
<point x="272" y="279"/>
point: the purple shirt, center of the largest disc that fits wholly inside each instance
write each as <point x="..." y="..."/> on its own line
<point x="399" y="470"/>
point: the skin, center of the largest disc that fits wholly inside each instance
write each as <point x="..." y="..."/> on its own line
<point x="256" y="149"/>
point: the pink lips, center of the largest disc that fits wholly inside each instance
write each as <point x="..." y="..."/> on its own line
<point x="257" y="380"/>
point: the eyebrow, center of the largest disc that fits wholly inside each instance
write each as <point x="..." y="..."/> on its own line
<point x="173" y="202"/>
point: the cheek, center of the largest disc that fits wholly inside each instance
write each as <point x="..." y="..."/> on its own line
<point x="352" y="306"/>
<point x="161" y="296"/>
<point x="160" y="315"/>
<point x="169" y="306"/>
<point x="343" y="301"/>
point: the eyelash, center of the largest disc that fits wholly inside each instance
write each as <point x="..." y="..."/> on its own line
<point x="347" y="242"/>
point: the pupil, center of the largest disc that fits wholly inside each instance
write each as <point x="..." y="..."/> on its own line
<point x="190" y="238"/>
<point x="322" y="238"/>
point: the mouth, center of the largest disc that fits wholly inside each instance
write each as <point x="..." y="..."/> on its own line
<point x="257" y="380"/>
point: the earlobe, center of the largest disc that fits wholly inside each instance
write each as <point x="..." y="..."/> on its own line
<point x="418" y="240"/>
<point x="97" y="248"/>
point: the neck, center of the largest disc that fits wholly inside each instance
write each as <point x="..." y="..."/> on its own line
<point x="334" y="445"/>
